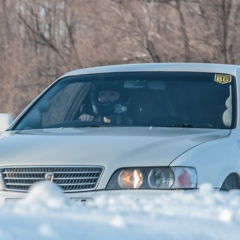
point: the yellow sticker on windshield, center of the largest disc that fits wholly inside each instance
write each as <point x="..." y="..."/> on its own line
<point x="220" y="78"/>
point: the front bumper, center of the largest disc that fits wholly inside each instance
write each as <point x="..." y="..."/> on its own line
<point x="7" y="196"/>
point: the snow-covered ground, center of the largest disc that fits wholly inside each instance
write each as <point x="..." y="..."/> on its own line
<point x="47" y="214"/>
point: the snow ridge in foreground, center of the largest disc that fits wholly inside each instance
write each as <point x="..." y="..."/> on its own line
<point x="47" y="213"/>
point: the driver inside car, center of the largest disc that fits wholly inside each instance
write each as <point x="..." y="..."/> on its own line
<point x="108" y="106"/>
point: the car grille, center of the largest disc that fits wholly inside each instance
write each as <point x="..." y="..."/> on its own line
<point x="70" y="179"/>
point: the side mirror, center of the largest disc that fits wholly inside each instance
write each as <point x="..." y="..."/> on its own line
<point x="5" y="121"/>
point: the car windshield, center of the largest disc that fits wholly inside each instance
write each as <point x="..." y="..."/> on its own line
<point x="160" y="99"/>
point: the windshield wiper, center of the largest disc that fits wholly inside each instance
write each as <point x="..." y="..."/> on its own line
<point x="89" y="125"/>
<point x="183" y="125"/>
<point x="73" y="124"/>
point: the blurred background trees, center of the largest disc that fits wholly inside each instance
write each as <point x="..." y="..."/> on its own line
<point x="42" y="39"/>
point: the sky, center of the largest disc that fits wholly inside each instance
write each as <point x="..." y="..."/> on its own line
<point x="46" y="213"/>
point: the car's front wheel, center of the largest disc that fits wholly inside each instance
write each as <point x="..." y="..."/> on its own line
<point x="231" y="182"/>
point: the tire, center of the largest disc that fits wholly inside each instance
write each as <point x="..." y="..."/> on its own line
<point x="231" y="182"/>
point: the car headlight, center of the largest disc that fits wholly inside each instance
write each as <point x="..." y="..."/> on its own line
<point x="154" y="178"/>
<point x="130" y="178"/>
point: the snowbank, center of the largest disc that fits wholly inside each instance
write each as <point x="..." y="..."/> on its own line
<point x="47" y="214"/>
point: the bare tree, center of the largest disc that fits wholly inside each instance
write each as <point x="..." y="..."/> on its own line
<point x="42" y="39"/>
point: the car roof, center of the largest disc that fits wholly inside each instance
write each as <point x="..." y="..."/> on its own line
<point x="145" y="67"/>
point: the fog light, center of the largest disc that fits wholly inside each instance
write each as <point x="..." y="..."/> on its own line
<point x="131" y="178"/>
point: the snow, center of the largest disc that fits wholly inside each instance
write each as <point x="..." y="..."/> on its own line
<point x="46" y="213"/>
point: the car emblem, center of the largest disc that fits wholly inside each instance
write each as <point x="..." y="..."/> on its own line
<point x="49" y="176"/>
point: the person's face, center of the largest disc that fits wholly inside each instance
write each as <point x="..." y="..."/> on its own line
<point x="108" y="96"/>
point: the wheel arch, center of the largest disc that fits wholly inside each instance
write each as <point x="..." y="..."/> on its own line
<point x="232" y="181"/>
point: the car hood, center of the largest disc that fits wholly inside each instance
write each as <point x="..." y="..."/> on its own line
<point x="106" y="147"/>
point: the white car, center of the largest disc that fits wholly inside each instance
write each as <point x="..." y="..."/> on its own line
<point x="137" y="128"/>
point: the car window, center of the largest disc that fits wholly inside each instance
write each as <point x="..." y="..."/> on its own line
<point x="53" y="107"/>
<point x="59" y="104"/>
<point x="161" y="99"/>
